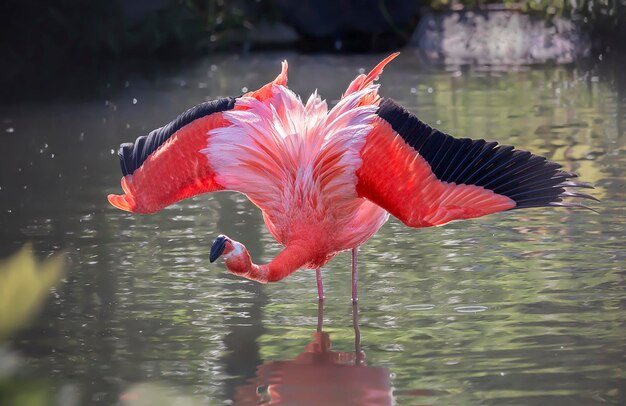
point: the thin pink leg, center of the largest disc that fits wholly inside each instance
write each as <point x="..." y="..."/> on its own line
<point x="320" y="315"/>
<point x="320" y="287"/>
<point x="355" y="276"/>
<point x="360" y="356"/>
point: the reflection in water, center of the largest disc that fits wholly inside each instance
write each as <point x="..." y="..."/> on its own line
<point x="244" y="329"/>
<point x="320" y="376"/>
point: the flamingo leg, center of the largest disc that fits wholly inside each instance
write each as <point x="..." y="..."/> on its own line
<point x="355" y="275"/>
<point x="360" y="357"/>
<point x="320" y="287"/>
<point x="320" y="315"/>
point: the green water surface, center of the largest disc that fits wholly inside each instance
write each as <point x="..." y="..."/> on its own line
<point x="517" y="308"/>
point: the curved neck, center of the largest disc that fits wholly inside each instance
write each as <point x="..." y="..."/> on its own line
<point x="288" y="261"/>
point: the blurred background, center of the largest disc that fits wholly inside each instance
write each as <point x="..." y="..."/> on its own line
<point x="102" y="307"/>
<point x="44" y="41"/>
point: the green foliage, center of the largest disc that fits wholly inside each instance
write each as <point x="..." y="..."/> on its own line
<point x="31" y="393"/>
<point x="24" y="285"/>
<point x="42" y="39"/>
<point x="41" y="35"/>
<point x="187" y="27"/>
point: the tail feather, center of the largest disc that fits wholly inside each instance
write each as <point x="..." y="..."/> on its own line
<point x="265" y="92"/>
<point x="362" y="81"/>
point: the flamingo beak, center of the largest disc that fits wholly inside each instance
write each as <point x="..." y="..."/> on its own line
<point x="217" y="248"/>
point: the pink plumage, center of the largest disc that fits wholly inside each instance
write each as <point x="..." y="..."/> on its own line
<point x="327" y="179"/>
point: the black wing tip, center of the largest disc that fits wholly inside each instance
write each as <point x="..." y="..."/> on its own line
<point x="125" y="154"/>
<point x="530" y="180"/>
<point x="573" y="205"/>
<point x="579" y="195"/>
<point x="572" y="184"/>
<point x="576" y="195"/>
<point x="133" y="155"/>
<point x="538" y="194"/>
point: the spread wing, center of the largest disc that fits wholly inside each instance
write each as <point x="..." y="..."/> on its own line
<point x="166" y="165"/>
<point x="427" y="178"/>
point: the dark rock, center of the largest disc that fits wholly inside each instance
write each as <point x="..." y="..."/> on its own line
<point x="351" y="25"/>
<point x="137" y="9"/>
<point x="498" y="37"/>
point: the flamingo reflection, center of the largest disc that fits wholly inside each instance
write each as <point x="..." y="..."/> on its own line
<point x="320" y="376"/>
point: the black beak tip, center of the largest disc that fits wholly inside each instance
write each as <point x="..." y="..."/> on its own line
<point x="217" y="249"/>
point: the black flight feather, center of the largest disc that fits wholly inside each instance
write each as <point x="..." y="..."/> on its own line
<point x="530" y="180"/>
<point x="132" y="156"/>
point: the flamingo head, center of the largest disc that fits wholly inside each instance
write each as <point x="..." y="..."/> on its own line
<point x="218" y="247"/>
<point x="226" y="247"/>
<point x="234" y="253"/>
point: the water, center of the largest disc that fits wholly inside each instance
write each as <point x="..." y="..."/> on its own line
<point x="521" y="308"/>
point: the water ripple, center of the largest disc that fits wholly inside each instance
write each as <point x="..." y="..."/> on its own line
<point x="470" y="309"/>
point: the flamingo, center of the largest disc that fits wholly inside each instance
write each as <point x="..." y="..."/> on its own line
<point x="325" y="179"/>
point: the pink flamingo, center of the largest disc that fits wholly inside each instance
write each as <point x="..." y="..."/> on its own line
<point x="327" y="179"/>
